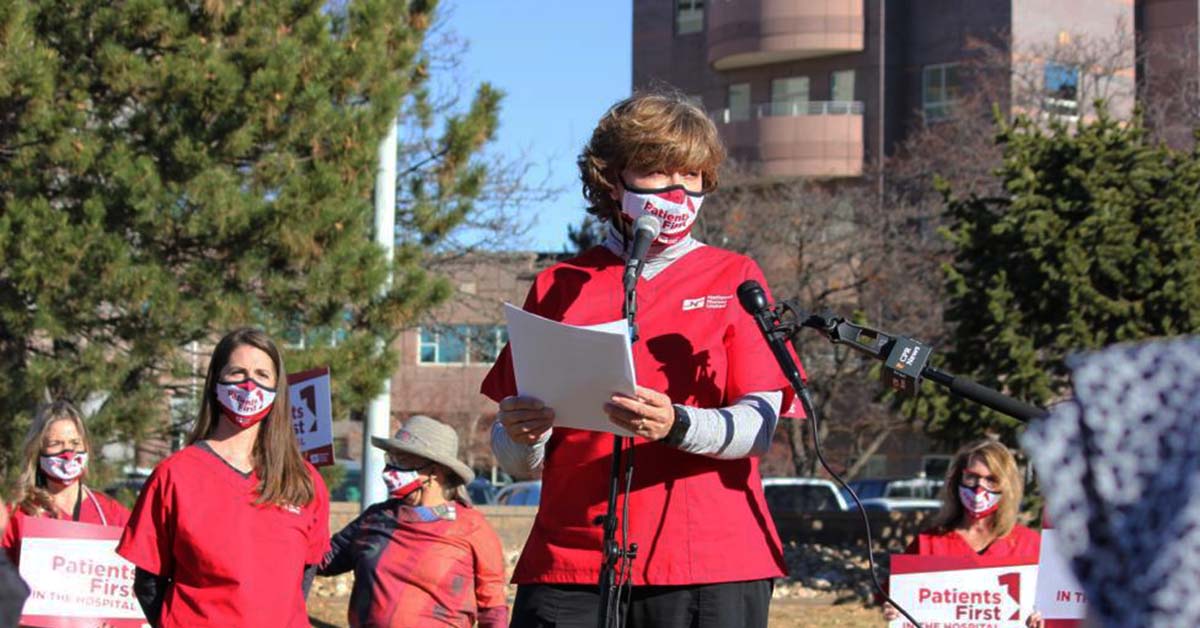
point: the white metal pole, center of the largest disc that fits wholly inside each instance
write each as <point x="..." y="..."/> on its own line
<point x="379" y="412"/>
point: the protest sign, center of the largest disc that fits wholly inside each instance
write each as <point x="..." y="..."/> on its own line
<point x="1059" y="597"/>
<point x="75" y="576"/>
<point x="312" y="414"/>
<point x="963" y="592"/>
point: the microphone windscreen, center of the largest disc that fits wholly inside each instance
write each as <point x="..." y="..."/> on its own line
<point x="648" y="223"/>
<point x="645" y="230"/>
<point x="752" y="297"/>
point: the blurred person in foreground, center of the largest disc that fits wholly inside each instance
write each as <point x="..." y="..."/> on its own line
<point x="1119" y="464"/>
<point x="13" y="589"/>
<point x="228" y="531"/>
<point x="423" y="557"/>
<point x="980" y="502"/>
<point x="708" y="398"/>
<point x="53" y="469"/>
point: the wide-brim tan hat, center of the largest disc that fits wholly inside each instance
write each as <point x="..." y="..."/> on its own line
<point x="430" y="439"/>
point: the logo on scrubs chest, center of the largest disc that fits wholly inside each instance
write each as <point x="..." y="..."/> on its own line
<point x="710" y="302"/>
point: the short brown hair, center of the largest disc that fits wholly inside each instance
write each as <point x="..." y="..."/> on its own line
<point x="1001" y="463"/>
<point x="283" y="476"/>
<point x="647" y="131"/>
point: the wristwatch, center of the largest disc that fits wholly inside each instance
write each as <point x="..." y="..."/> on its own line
<point x="679" y="428"/>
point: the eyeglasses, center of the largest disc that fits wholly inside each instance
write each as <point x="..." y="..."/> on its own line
<point x="971" y="480"/>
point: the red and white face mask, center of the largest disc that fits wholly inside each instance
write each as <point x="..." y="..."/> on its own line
<point x="402" y="482"/>
<point x="673" y="205"/>
<point x="245" y="402"/>
<point x="65" y="466"/>
<point x="978" y="501"/>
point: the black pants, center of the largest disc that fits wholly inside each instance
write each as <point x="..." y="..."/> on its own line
<point x="725" y="605"/>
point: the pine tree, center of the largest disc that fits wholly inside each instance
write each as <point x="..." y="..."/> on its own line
<point x="169" y="171"/>
<point x="588" y="233"/>
<point x="1096" y="241"/>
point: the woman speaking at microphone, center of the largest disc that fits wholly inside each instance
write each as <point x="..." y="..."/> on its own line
<point x="52" y="477"/>
<point x="224" y="529"/>
<point x="708" y="398"/>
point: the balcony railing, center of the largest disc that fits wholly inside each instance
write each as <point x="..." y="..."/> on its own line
<point x="805" y="108"/>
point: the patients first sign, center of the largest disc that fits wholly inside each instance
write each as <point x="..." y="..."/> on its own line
<point x="76" y="578"/>
<point x="966" y="592"/>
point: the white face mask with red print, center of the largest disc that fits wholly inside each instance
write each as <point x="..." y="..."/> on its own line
<point x="979" y="502"/>
<point x="673" y="205"/>
<point x="245" y="402"/>
<point x="65" y="466"/>
<point x="402" y="482"/>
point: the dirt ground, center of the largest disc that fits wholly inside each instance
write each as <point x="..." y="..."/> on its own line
<point x="328" y="612"/>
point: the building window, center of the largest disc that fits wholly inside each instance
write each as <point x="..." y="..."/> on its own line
<point x="739" y="101"/>
<point x="1061" y="84"/>
<point x="789" y="96"/>
<point x="841" y="86"/>
<point x="461" y="344"/>
<point x="486" y="343"/>
<point x="689" y="16"/>
<point x="939" y="90"/>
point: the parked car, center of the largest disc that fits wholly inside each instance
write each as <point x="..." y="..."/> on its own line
<point x="795" y="495"/>
<point x="923" y="488"/>
<point x="482" y="491"/>
<point x="520" y="494"/>
<point x="127" y="488"/>
<point x="902" y="504"/>
<point x="349" y="488"/>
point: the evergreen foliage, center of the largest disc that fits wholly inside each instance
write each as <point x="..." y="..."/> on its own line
<point x="1095" y="241"/>
<point x="171" y="170"/>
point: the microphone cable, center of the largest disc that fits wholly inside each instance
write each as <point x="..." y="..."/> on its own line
<point x="811" y="412"/>
<point x="753" y="300"/>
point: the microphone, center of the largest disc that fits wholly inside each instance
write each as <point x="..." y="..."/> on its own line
<point x="754" y="300"/>
<point x="645" y="230"/>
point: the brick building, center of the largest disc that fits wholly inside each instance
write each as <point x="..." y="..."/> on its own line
<point x="822" y="88"/>
<point x="825" y="89"/>
<point x="443" y="361"/>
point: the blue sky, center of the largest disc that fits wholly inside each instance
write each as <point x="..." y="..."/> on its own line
<point x="561" y="64"/>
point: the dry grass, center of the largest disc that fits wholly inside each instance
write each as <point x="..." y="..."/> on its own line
<point x="327" y="612"/>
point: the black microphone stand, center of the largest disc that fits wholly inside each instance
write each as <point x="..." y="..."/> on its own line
<point x="904" y="361"/>
<point x="777" y="333"/>
<point x="618" y="557"/>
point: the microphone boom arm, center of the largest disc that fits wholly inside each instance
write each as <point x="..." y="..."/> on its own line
<point x="905" y="361"/>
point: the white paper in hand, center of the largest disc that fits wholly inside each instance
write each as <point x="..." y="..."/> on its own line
<point x="573" y="369"/>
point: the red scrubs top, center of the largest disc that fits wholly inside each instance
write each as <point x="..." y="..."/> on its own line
<point x="232" y="562"/>
<point x="695" y="519"/>
<point x="1021" y="542"/>
<point x="95" y="508"/>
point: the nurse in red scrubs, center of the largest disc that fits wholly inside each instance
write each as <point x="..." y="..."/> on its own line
<point x="52" y="477"/>
<point x="228" y="531"/>
<point x="980" y="502"/>
<point x="708" y="398"/>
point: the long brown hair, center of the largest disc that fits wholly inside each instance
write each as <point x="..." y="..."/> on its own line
<point x="32" y="497"/>
<point x="1002" y="465"/>
<point x="283" y="478"/>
